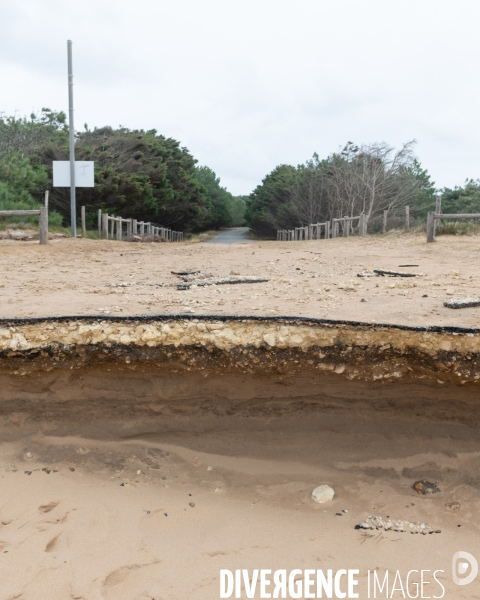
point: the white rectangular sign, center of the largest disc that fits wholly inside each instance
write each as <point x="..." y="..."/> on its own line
<point x="83" y="173"/>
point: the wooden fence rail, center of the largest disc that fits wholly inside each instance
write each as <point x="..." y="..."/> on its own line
<point x="133" y="227"/>
<point x="43" y="221"/>
<point x="329" y="229"/>
<point x="434" y="217"/>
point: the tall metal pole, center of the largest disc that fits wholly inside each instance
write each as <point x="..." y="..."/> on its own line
<point x="71" y="133"/>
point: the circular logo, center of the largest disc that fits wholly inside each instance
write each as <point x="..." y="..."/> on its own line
<point x="461" y="563"/>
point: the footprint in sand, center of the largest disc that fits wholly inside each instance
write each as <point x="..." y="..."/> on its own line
<point x="139" y="581"/>
<point x="46" y="508"/>
<point x="52" y="544"/>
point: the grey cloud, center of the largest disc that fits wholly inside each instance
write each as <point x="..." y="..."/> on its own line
<point x="247" y="86"/>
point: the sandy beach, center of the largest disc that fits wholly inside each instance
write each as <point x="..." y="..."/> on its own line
<point x="157" y="514"/>
<point x="138" y="486"/>
<point x="314" y="279"/>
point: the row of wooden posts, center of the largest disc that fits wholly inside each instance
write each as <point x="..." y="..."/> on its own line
<point x="331" y="229"/>
<point x="326" y="230"/>
<point x="111" y="226"/>
<point x="134" y="227"/>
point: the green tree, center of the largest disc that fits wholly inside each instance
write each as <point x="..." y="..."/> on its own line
<point x="238" y="205"/>
<point x="219" y="198"/>
<point x="22" y="186"/>
<point x="424" y="198"/>
<point x="269" y="206"/>
<point x="462" y="199"/>
<point x="138" y="174"/>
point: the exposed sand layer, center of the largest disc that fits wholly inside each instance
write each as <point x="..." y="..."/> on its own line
<point x="312" y="279"/>
<point x="138" y="487"/>
<point x="253" y="346"/>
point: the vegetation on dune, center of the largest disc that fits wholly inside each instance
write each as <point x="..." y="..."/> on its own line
<point x="144" y="175"/>
<point x="368" y="178"/>
<point x="138" y="174"/>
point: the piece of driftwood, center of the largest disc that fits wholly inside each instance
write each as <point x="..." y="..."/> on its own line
<point x="383" y="272"/>
<point x="185" y="272"/>
<point x="408" y="265"/>
<point x="462" y="302"/>
<point x="219" y="281"/>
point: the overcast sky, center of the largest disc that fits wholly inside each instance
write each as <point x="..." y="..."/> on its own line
<point x="247" y="85"/>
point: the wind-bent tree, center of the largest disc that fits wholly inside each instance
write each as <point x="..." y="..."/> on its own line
<point x="369" y="178"/>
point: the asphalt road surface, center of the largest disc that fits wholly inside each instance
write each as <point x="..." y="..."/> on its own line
<point x="232" y="236"/>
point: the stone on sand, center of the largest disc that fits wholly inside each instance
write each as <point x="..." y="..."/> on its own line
<point x="323" y="493"/>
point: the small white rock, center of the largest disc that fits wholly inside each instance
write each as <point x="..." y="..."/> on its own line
<point x="29" y="455"/>
<point x="323" y="493"/>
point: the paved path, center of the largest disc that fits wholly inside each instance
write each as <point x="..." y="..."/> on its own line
<point x="232" y="236"/>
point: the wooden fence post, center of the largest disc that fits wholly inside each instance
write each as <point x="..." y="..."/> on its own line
<point x="384" y="226"/>
<point x="112" y="225"/>
<point x="84" y="228"/>
<point x="43" y="222"/>
<point x="105" y="226"/>
<point x="407" y="217"/>
<point x="430" y="227"/>
<point x="119" y="228"/>
<point x="438" y="210"/>
<point x="346" y="226"/>
<point x="99" y="222"/>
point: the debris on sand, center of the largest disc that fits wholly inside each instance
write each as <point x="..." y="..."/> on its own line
<point x="130" y="283"/>
<point x="22" y="236"/>
<point x="146" y="239"/>
<point x="424" y="488"/>
<point x="374" y="522"/>
<point x="383" y="272"/>
<point x="219" y="281"/>
<point x="462" y="302"/>
<point x="15" y="235"/>
<point x="322" y="494"/>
